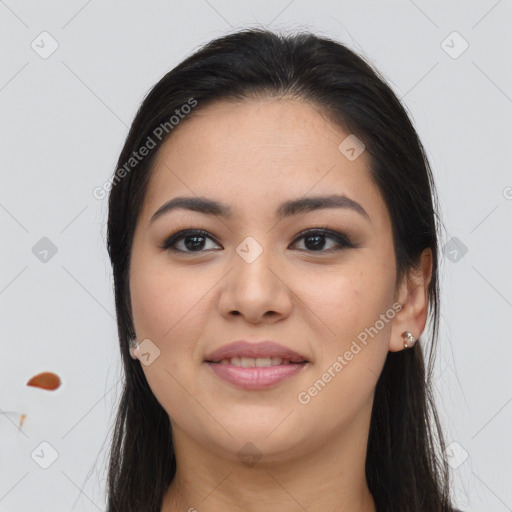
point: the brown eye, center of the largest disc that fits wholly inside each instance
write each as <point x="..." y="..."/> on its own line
<point x="193" y="241"/>
<point x="315" y="240"/>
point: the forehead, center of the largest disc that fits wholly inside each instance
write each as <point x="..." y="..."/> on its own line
<point x="254" y="154"/>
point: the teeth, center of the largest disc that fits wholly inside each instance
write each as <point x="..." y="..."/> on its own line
<point x="251" y="362"/>
<point x="248" y="362"/>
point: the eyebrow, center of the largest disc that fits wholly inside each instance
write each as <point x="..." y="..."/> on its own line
<point x="286" y="209"/>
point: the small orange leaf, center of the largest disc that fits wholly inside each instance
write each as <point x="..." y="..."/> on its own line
<point x="45" y="380"/>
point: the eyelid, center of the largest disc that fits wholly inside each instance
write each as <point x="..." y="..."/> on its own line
<point x="342" y="240"/>
<point x="181" y="233"/>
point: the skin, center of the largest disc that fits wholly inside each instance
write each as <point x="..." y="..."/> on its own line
<point x="253" y="156"/>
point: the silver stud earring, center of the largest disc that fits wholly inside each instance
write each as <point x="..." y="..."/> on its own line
<point x="408" y="339"/>
<point x="133" y="347"/>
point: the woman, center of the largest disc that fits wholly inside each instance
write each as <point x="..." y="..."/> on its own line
<point x="272" y="230"/>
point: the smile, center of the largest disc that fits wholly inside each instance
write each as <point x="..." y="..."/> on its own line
<point x="255" y="374"/>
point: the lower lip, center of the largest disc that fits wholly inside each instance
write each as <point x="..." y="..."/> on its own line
<point x="255" y="377"/>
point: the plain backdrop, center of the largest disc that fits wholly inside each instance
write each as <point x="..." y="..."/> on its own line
<point x="72" y="76"/>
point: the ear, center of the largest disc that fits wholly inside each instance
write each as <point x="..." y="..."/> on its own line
<point x="134" y="349"/>
<point x="413" y="296"/>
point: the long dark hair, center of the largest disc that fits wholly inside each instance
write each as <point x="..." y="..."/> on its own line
<point x="406" y="467"/>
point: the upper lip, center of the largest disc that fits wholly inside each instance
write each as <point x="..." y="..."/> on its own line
<point x="264" y="348"/>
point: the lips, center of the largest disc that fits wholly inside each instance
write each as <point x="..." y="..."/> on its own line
<point x="255" y="350"/>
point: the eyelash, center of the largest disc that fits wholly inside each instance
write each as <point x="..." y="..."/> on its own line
<point x="342" y="240"/>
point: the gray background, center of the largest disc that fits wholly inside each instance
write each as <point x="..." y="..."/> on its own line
<point x="63" y="122"/>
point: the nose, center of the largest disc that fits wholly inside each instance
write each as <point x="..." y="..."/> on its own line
<point x="256" y="290"/>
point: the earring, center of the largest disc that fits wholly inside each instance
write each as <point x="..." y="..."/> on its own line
<point x="134" y="347"/>
<point x="408" y="339"/>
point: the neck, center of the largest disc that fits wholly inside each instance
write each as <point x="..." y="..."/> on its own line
<point x="329" y="475"/>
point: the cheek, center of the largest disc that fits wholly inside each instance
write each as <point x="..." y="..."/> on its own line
<point x="348" y="306"/>
<point x="341" y="298"/>
<point x="167" y="309"/>
<point x="348" y="367"/>
<point x="164" y="300"/>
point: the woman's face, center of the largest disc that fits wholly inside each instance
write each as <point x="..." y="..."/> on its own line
<point x="256" y="275"/>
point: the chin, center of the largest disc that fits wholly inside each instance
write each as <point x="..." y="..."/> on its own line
<point x="276" y="444"/>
